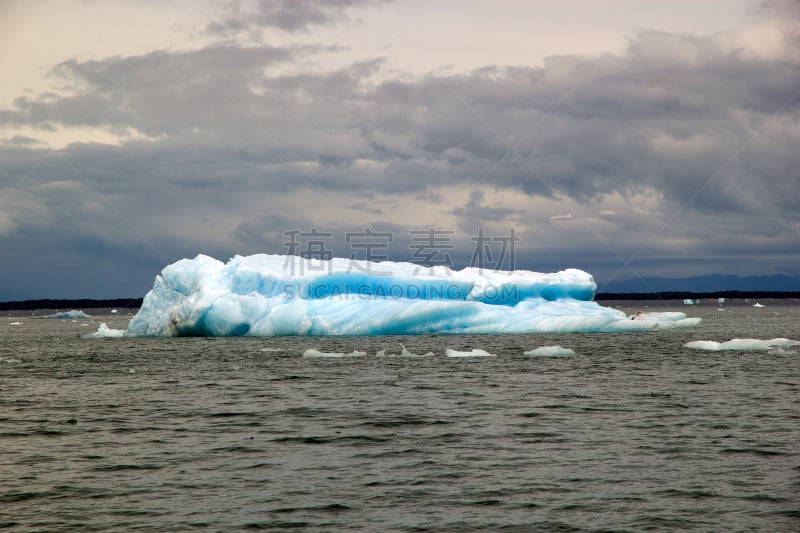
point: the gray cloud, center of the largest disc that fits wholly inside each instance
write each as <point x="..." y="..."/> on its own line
<point x="293" y="16"/>
<point x="236" y="152"/>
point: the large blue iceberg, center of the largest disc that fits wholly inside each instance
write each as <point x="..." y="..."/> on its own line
<point x="267" y="295"/>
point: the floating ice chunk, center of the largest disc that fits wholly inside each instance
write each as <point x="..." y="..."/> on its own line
<point x="316" y="353"/>
<point x="477" y="352"/>
<point x="550" y="351"/>
<point x="743" y="344"/>
<point x="380" y="353"/>
<point x="114" y="311"/>
<point x="661" y="320"/>
<point x="15" y="324"/>
<point x="266" y="295"/>
<point x="671" y="320"/>
<point x="758" y="305"/>
<point x="67" y="314"/>
<point x="103" y="331"/>
<point x="9" y="360"/>
<point x="631" y="326"/>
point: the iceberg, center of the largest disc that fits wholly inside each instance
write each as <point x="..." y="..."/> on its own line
<point x="67" y="314"/>
<point x="269" y="295"/>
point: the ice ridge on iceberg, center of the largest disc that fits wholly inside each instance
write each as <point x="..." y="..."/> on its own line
<point x="267" y="295"/>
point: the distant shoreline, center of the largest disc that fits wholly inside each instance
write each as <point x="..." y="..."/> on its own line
<point x="68" y="304"/>
<point x="668" y="296"/>
<point x="688" y="295"/>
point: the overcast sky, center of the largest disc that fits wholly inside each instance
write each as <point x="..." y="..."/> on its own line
<point x="626" y="138"/>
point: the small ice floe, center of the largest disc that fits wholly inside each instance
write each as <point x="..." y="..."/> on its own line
<point x="316" y="353"/>
<point x="550" y="351"/>
<point x="131" y="371"/>
<point x="114" y="311"/>
<point x="477" y="352"/>
<point x="104" y="332"/>
<point x="380" y="353"/>
<point x="758" y="305"/>
<point x="9" y="360"/>
<point x="743" y="344"/>
<point x="15" y="324"/>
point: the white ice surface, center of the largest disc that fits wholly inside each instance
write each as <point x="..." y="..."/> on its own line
<point x="105" y="332"/>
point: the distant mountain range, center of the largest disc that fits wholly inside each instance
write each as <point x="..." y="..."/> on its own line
<point x="703" y="284"/>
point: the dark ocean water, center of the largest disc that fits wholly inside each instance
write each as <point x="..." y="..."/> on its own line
<point x="634" y="433"/>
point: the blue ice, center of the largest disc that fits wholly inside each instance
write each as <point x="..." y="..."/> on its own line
<point x="267" y="295"/>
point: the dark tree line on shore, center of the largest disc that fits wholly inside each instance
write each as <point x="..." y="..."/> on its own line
<point x="32" y="305"/>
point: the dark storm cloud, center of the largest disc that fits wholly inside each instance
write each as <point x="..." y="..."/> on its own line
<point x="709" y="130"/>
<point x="579" y="127"/>
<point x="670" y="114"/>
